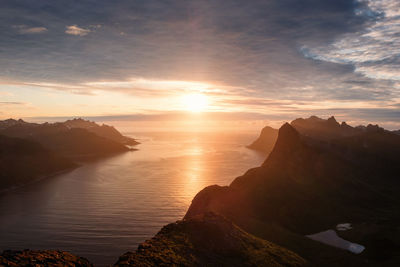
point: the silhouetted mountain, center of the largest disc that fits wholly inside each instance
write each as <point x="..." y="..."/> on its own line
<point x="396" y="132"/>
<point x="266" y="141"/>
<point x="323" y="129"/>
<point x="77" y="139"/>
<point x="101" y="130"/>
<point x="208" y="240"/>
<point x="41" y="258"/>
<point x="10" y="122"/>
<point x="23" y="161"/>
<point x="310" y="183"/>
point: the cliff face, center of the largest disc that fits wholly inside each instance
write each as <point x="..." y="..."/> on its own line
<point x="41" y="258"/>
<point x="208" y="240"/>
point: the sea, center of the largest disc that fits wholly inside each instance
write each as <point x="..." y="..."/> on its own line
<point x="107" y="207"/>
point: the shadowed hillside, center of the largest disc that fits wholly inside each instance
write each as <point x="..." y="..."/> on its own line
<point x="29" y="151"/>
<point x="103" y="130"/>
<point x="75" y="139"/>
<point x="24" y="161"/>
<point x="313" y="181"/>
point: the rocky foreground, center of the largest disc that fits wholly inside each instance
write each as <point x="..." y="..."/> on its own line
<point x="208" y="240"/>
<point x="41" y="258"/>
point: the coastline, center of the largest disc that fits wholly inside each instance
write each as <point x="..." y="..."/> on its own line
<point x="78" y="161"/>
<point x="40" y="178"/>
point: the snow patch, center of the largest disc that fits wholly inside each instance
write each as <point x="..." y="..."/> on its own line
<point x="344" y="226"/>
<point x="331" y="238"/>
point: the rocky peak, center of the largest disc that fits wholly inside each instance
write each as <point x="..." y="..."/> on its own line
<point x="332" y="121"/>
<point x="374" y="128"/>
<point x="288" y="141"/>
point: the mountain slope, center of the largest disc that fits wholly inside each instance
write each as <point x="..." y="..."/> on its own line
<point x="72" y="142"/>
<point x="103" y="130"/>
<point x="24" y="161"/>
<point x="208" y="240"/>
<point x="310" y="183"/>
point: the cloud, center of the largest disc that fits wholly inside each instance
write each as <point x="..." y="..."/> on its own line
<point x="254" y="55"/>
<point x="373" y="51"/>
<point x="12" y="103"/>
<point x="23" y="29"/>
<point x="75" y="30"/>
<point x="4" y="93"/>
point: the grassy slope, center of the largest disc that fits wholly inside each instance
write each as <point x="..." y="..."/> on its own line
<point x="208" y="240"/>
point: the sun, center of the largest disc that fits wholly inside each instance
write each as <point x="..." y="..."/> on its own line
<point x="195" y="102"/>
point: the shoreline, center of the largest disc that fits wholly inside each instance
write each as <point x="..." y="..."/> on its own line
<point x="39" y="179"/>
<point x="78" y="161"/>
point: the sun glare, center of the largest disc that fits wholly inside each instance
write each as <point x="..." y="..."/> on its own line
<point x="195" y="102"/>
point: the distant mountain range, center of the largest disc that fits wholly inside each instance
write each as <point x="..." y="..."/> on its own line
<point x="31" y="150"/>
<point x="313" y="127"/>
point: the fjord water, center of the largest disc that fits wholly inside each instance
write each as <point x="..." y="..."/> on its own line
<point x="107" y="207"/>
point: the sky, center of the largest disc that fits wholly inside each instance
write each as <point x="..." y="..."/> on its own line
<point x="270" y="60"/>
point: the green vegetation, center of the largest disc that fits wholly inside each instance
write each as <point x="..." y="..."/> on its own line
<point x="208" y="240"/>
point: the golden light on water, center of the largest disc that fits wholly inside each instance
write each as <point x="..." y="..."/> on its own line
<point x="195" y="102"/>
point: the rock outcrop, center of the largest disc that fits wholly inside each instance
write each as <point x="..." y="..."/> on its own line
<point x="27" y="258"/>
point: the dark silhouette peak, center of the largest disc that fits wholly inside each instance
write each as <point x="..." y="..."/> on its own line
<point x="288" y="141"/>
<point x="323" y="129"/>
<point x="332" y="120"/>
<point x="374" y="128"/>
<point x="312" y="118"/>
<point x="288" y="137"/>
<point x="287" y="131"/>
<point x="265" y="142"/>
<point x="267" y="128"/>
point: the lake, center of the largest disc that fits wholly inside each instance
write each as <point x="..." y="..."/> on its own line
<point x="107" y="207"/>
